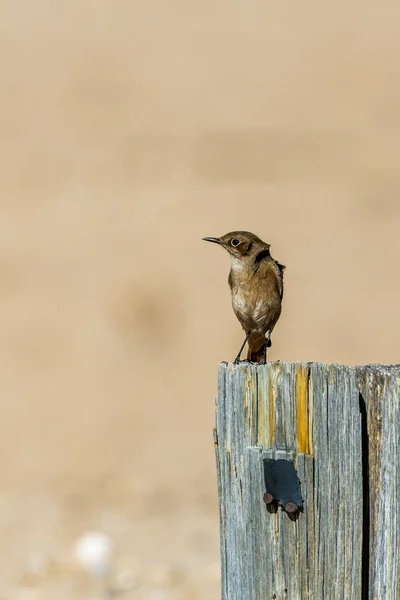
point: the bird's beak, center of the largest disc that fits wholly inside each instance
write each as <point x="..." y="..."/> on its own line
<point x="214" y="240"/>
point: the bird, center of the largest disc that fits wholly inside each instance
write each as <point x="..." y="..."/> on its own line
<point x="256" y="283"/>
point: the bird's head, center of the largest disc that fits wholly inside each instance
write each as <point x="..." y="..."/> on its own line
<point x="241" y="245"/>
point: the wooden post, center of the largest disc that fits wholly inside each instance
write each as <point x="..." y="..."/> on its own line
<point x="341" y="427"/>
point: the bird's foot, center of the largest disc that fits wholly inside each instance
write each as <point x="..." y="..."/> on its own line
<point x="237" y="359"/>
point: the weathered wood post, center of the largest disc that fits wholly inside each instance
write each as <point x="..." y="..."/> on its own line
<point x="341" y="427"/>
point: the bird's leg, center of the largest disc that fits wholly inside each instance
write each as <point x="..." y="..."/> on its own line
<point x="264" y="354"/>
<point x="264" y="348"/>
<point x="237" y="359"/>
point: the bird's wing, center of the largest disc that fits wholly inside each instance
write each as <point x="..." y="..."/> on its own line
<point x="271" y="271"/>
<point x="279" y="270"/>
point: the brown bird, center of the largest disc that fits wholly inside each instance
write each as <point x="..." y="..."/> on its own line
<point x="256" y="282"/>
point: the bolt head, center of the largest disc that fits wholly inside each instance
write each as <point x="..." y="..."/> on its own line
<point x="290" y="507"/>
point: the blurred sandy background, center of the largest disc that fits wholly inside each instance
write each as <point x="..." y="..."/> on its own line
<point x="129" y="130"/>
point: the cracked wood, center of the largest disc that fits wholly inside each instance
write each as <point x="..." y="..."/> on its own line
<point x="344" y="545"/>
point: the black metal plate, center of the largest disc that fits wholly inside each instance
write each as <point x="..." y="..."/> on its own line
<point x="282" y="483"/>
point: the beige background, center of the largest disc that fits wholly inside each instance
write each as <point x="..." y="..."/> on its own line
<point x="129" y="130"/>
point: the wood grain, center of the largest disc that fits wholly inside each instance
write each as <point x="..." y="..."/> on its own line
<point x="340" y="426"/>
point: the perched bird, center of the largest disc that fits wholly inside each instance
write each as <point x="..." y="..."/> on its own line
<point x="256" y="282"/>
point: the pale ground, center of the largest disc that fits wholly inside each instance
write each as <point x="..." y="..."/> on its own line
<point x="128" y="132"/>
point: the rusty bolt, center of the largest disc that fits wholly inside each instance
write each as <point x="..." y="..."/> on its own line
<point x="290" y="507"/>
<point x="268" y="498"/>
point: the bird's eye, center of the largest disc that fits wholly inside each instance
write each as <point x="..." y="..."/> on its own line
<point x="235" y="242"/>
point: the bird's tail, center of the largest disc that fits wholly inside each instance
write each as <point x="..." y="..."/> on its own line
<point x="256" y="355"/>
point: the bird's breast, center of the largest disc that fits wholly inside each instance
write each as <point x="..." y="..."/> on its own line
<point x="255" y="312"/>
<point x="248" y="309"/>
<point x="240" y="303"/>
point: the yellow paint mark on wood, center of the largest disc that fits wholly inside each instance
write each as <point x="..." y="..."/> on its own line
<point x="310" y="415"/>
<point x="304" y="425"/>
